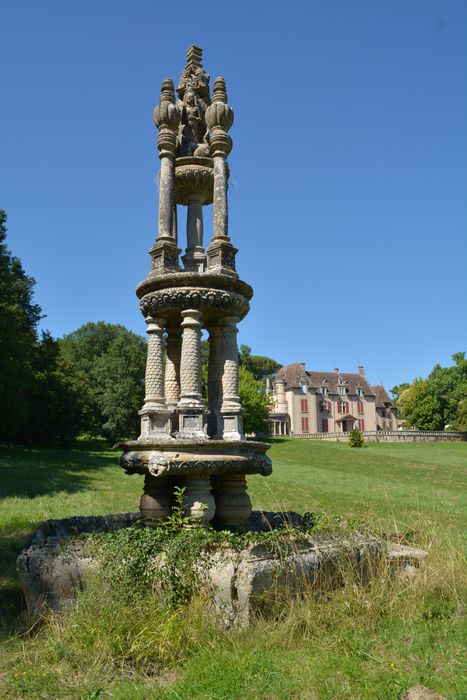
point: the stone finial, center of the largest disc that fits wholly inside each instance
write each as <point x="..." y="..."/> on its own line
<point x="219" y="118"/>
<point x="194" y="56"/>
<point x="166" y="114"/>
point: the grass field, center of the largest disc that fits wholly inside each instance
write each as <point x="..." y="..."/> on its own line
<point x="358" y="644"/>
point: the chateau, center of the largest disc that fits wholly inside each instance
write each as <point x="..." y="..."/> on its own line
<point x="307" y="402"/>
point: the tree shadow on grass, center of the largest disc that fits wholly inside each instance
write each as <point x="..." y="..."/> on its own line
<point x="31" y="472"/>
<point x="27" y="473"/>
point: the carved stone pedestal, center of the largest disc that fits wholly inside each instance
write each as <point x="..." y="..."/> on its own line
<point x="156" y="424"/>
<point x="191" y="422"/>
<point x="156" y="501"/>
<point x="165" y="257"/>
<point x="198" y="501"/>
<point x="221" y="257"/>
<point x="233" y="505"/>
<point x="232" y="425"/>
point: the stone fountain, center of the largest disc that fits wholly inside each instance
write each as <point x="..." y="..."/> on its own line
<point x="184" y="442"/>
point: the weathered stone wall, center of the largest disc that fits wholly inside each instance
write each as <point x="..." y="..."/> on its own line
<point x="259" y="579"/>
<point x="390" y="436"/>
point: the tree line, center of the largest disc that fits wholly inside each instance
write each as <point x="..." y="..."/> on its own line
<point x="438" y="402"/>
<point x="91" y="381"/>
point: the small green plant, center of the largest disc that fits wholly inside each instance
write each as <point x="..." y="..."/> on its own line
<point x="356" y="439"/>
<point x="177" y="520"/>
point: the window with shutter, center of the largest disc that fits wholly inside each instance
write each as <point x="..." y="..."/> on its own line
<point x="360" y="407"/>
<point x="304" y="424"/>
<point x="325" y="425"/>
<point x="304" y="405"/>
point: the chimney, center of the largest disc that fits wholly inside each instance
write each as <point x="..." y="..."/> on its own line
<point x="336" y="370"/>
<point x="361" y="370"/>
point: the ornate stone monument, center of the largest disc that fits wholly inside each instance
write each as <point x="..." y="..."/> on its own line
<point x="184" y="442"/>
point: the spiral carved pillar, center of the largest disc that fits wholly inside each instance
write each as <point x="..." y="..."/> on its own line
<point x="190" y="405"/>
<point x="231" y="409"/>
<point x="215" y="381"/>
<point x="154" y="414"/>
<point x="172" y="366"/>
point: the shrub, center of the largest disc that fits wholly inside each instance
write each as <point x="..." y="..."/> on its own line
<point x="356" y="439"/>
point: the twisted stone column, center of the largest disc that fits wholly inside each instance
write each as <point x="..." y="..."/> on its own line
<point x="190" y="406"/>
<point x="154" y="379"/>
<point x="231" y="408"/>
<point x="230" y="398"/>
<point x="190" y="365"/>
<point x="215" y="380"/>
<point x="172" y="366"/>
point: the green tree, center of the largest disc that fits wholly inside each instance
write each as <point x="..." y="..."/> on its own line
<point x="110" y="362"/>
<point x="449" y="386"/>
<point x="19" y="316"/>
<point x="420" y="408"/>
<point x="259" y="365"/>
<point x="54" y="396"/>
<point x="397" y="390"/>
<point x="119" y="376"/>
<point x="254" y="401"/>
<point x="461" y="419"/>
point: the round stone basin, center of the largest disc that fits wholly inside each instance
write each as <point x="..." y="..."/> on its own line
<point x="173" y="457"/>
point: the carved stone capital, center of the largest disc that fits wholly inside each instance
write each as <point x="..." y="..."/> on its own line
<point x="212" y="302"/>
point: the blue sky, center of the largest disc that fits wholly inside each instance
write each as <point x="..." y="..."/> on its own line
<point x="349" y="167"/>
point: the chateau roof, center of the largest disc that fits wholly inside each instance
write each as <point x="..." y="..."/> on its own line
<point x="382" y="397"/>
<point x="294" y="375"/>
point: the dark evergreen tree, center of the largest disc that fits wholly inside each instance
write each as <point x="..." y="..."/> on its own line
<point x="19" y="316"/>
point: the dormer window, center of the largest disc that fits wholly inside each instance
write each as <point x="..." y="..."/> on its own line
<point x="304" y="386"/>
<point x="324" y="391"/>
<point x="359" y="391"/>
<point x="342" y="390"/>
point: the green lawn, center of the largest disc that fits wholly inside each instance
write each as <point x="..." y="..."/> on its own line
<point x="348" y="647"/>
